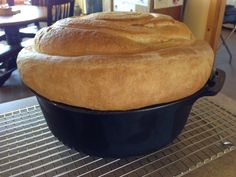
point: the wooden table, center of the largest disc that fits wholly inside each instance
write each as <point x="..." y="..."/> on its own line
<point x="11" y="24"/>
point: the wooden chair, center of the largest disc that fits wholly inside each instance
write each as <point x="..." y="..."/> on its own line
<point x="56" y="9"/>
<point x="8" y="55"/>
<point x="39" y="2"/>
<point x="59" y="9"/>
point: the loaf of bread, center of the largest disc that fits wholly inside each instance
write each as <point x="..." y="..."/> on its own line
<point x="116" y="61"/>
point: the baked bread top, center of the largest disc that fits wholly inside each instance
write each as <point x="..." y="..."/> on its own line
<point x="116" y="61"/>
<point x="111" y="33"/>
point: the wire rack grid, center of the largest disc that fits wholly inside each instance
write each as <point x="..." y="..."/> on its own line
<point x="27" y="147"/>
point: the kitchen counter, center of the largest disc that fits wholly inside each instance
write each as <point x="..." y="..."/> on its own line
<point x="224" y="166"/>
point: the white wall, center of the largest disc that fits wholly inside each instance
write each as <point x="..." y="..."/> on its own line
<point x="231" y="2"/>
<point x="131" y="5"/>
<point x="106" y="5"/>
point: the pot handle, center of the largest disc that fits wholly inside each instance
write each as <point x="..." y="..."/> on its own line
<point x="216" y="83"/>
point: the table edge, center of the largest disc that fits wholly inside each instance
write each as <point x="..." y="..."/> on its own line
<point x="22" y="23"/>
<point x="18" y="104"/>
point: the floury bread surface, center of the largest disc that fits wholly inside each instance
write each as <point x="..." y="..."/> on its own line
<point x="116" y="61"/>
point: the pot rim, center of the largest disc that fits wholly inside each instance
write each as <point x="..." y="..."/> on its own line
<point x="194" y="97"/>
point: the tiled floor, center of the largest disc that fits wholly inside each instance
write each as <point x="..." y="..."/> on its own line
<point x="14" y="88"/>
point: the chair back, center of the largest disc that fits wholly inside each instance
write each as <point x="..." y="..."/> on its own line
<point x="39" y="2"/>
<point x="56" y="9"/>
<point x="59" y="9"/>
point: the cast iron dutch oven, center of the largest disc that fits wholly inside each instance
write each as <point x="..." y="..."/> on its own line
<point x="123" y="133"/>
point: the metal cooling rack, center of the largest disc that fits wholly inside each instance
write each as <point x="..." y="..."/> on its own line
<point x="27" y="147"/>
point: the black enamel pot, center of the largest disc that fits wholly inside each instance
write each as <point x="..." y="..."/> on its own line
<point x="123" y="133"/>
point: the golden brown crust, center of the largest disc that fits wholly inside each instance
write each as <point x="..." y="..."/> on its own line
<point x="102" y="62"/>
<point x="94" y="34"/>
